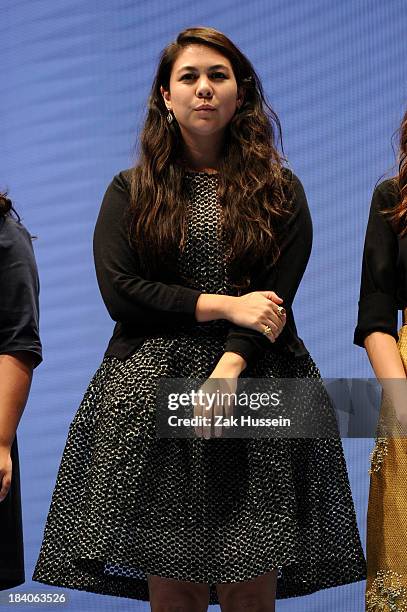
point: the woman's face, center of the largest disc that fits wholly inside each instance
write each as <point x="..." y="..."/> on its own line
<point x="202" y="76"/>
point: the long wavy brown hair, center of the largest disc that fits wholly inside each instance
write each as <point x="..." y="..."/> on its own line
<point x="253" y="189"/>
<point x="398" y="214"/>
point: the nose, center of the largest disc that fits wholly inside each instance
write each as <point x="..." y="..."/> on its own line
<point x="204" y="89"/>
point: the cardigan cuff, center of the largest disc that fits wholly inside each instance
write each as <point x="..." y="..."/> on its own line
<point x="250" y="345"/>
<point x="186" y="300"/>
<point x="377" y="312"/>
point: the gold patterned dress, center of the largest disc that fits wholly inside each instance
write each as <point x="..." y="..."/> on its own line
<point x="386" y="585"/>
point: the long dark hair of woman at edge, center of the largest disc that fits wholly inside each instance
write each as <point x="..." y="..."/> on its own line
<point x="6" y="206"/>
<point x="398" y="215"/>
<point x="254" y="193"/>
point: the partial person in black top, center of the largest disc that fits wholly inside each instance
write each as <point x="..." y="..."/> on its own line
<point x="20" y="353"/>
<point x="197" y="249"/>
<point x="383" y="287"/>
<point x="383" y="292"/>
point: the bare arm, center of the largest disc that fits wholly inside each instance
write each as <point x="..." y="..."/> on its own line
<point x="15" y="382"/>
<point x="211" y="306"/>
<point x="384" y="356"/>
<point x="388" y="367"/>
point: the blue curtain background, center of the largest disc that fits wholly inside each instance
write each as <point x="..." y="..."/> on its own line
<point x="75" y="79"/>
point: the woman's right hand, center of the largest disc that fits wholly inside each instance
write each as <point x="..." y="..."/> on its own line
<point x="257" y="309"/>
<point x="5" y="471"/>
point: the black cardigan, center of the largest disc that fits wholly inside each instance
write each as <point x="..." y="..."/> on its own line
<point x="144" y="307"/>
<point x="383" y="287"/>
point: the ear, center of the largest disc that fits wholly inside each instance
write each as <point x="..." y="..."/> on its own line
<point x="166" y="95"/>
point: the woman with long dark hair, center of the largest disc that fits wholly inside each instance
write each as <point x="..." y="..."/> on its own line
<point x="199" y="251"/>
<point x="383" y="293"/>
<point x="20" y="353"/>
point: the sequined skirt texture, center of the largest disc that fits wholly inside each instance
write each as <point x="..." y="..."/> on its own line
<point x="386" y="585"/>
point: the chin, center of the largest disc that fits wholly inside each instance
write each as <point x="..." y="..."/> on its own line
<point x="207" y="128"/>
<point x="204" y="129"/>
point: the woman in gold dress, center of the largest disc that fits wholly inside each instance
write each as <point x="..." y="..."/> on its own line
<point x="383" y="292"/>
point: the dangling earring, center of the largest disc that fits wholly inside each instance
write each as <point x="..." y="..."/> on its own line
<point x="170" y="116"/>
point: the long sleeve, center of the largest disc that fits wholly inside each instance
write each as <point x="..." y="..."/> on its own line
<point x="129" y="297"/>
<point x="378" y="288"/>
<point x="283" y="277"/>
<point x="19" y="292"/>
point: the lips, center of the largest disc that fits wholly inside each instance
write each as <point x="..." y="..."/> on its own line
<point x="206" y="107"/>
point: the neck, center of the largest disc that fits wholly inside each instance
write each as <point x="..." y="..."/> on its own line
<point x="202" y="153"/>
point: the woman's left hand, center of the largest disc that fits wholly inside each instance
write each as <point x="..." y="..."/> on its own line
<point x="216" y="411"/>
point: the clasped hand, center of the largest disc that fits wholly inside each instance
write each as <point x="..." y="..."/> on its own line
<point x="215" y="411"/>
<point x="257" y="309"/>
<point x="254" y="310"/>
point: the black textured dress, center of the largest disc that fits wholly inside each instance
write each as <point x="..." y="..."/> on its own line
<point x="127" y="503"/>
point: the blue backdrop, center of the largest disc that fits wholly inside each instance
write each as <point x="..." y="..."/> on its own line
<point x="75" y="80"/>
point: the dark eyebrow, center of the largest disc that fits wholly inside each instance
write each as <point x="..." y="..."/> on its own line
<point x="210" y="68"/>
